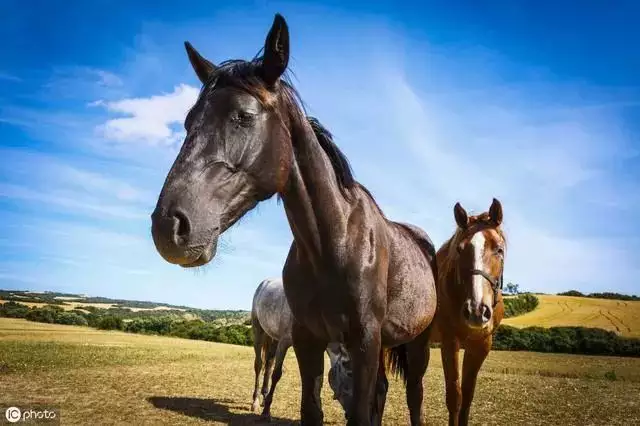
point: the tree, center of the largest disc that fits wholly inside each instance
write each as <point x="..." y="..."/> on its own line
<point x="512" y="288"/>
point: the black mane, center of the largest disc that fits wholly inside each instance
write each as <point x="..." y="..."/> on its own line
<point x="339" y="161"/>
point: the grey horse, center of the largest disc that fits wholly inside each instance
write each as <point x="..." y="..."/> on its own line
<point x="271" y="322"/>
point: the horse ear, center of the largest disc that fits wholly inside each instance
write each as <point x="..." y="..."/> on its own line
<point x="495" y="212"/>
<point x="276" y="51"/>
<point x="201" y="66"/>
<point x="461" y="216"/>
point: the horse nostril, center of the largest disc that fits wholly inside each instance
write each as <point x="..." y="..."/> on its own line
<point x="466" y="311"/>
<point x="184" y="226"/>
<point x="486" y="313"/>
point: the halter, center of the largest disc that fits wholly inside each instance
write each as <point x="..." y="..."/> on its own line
<point x="496" y="284"/>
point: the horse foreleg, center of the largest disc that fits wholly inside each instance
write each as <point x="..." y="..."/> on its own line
<point x="280" y="354"/>
<point x="418" y="355"/>
<point x="365" y="352"/>
<point x="449" y="350"/>
<point x="474" y="356"/>
<point x="310" y="355"/>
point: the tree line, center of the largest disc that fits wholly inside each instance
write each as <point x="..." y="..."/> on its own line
<point x="605" y="295"/>
<point x="573" y="340"/>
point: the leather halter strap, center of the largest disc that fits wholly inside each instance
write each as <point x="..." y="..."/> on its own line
<point x="496" y="284"/>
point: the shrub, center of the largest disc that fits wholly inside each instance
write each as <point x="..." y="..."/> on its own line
<point x="576" y="340"/>
<point x="70" y="318"/>
<point x="13" y="310"/>
<point x="574" y="293"/>
<point x="519" y="305"/>
<point x="110" y="322"/>
<point x="46" y="314"/>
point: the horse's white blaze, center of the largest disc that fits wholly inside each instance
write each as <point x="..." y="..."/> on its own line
<point x="477" y="242"/>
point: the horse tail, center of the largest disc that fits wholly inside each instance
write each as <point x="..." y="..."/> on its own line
<point x="398" y="362"/>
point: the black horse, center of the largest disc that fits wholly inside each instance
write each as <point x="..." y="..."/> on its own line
<point x="351" y="275"/>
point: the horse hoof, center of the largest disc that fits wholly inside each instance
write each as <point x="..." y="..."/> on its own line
<point x="255" y="406"/>
<point x="265" y="418"/>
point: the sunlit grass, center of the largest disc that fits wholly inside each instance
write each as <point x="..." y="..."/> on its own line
<point x="620" y="316"/>
<point x="119" y="378"/>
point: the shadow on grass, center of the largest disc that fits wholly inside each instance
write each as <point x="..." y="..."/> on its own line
<point x="214" y="411"/>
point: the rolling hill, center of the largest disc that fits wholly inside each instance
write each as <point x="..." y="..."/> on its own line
<point x="622" y="317"/>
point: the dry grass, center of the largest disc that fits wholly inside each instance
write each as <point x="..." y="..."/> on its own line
<point x="71" y="303"/>
<point x="119" y="378"/>
<point x="616" y="315"/>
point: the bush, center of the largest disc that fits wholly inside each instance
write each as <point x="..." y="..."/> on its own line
<point x="46" y="314"/>
<point x="606" y="295"/>
<point x="573" y="340"/>
<point x="519" y="305"/>
<point x="13" y="310"/>
<point x="574" y="293"/>
<point x="110" y="322"/>
<point x="70" y="318"/>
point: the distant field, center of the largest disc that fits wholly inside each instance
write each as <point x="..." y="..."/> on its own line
<point x="119" y="378"/>
<point x="620" y="316"/>
<point x="73" y="302"/>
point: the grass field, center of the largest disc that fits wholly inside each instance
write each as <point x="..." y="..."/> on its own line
<point x="616" y="315"/>
<point x="73" y="303"/>
<point x="118" y="378"/>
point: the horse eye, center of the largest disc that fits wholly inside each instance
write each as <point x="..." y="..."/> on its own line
<point x="500" y="251"/>
<point x="244" y="118"/>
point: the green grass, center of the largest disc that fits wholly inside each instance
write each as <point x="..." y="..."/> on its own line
<point x="119" y="378"/>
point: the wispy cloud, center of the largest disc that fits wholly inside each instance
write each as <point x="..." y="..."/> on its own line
<point x="9" y="77"/>
<point x="69" y="202"/>
<point x="82" y="82"/>
<point x="150" y="120"/>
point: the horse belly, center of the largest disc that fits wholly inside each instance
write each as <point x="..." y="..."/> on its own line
<point x="411" y="297"/>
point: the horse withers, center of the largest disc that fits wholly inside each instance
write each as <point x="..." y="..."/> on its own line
<point x="271" y="322"/>
<point x="470" y="304"/>
<point x="351" y="276"/>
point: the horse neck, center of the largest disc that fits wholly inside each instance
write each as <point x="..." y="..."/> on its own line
<point x="315" y="207"/>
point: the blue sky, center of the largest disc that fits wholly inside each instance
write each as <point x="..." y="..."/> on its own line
<point x="535" y="103"/>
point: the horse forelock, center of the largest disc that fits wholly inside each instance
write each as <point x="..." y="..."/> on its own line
<point x="448" y="252"/>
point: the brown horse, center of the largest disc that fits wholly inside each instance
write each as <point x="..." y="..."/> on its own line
<point x="470" y="306"/>
<point x="351" y="275"/>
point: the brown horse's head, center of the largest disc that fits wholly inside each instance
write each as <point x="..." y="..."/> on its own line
<point x="477" y="254"/>
<point x="237" y="151"/>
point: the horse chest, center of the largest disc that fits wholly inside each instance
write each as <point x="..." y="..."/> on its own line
<point x="322" y="314"/>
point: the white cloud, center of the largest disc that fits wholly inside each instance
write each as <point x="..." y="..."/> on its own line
<point x="150" y="119"/>
<point x="533" y="161"/>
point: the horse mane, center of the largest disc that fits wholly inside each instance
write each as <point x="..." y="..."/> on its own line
<point x="449" y="247"/>
<point x="246" y="76"/>
<point x="339" y="162"/>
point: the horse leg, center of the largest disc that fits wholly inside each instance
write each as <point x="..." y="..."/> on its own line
<point x="418" y="355"/>
<point x="382" y="385"/>
<point x="449" y="350"/>
<point x="474" y="356"/>
<point x="310" y="355"/>
<point x="270" y="355"/>
<point x="259" y="337"/>
<point x="365" y="352"/>
<point x="280" y="354"/>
